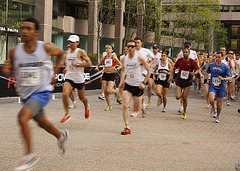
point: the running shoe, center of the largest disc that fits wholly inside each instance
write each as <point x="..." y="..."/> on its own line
<point x="149" y="103"/>
<point x="87" y="112"/>
<point x="134" y="114"/>
<point x="202" y="95"/>
<point x="228" y="103"/>
<point x="208" y="106"/>
<point x="66" y="118"/>
<point x="217" y="119"/>
<point x="62" y="141"/>
<point x="74" y="104"/>
<point x="199" y="91"/>
<point x="233" y="97"/>
<point x="164" y="109"/>
<point x="238" y="110"/>
<point x="102" y="97"/>
<point x="27" y="162"/>
<point x="159" y="102"/>
<point x="180" y="110"/>
<point x="109" y="107"/>
<point x="184" y="115"/>
<point x="119" y="101"/>
<point x="126" y="131"/>
<point x="144" y="110"/>
<point x="153" y="93"/>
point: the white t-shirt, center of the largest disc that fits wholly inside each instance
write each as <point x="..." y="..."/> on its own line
<point x="158" y="58"/>
<point x="192" y="55"/>
<point x="238" y="63"/>
<point x="146" y="54"/>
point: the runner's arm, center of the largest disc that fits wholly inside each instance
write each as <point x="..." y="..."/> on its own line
<point x="82" y="55"/>
<point x="123" y="73"/>
<point x="117" y="61"/>
<point x="99" y="63"/>
<point x="7" y="68"/>
<point x="144" y="63"/>
<point x="154" y="72"/>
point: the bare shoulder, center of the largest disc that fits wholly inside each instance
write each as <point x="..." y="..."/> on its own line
<point x="12" y="52"/>
<point x="49" y="46"/>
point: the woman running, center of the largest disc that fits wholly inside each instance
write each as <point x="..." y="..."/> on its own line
<point x="109" y="61"/>
<point x="164" y="69"/>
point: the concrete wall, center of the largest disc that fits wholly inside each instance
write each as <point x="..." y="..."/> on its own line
<point x="81" y="27"/>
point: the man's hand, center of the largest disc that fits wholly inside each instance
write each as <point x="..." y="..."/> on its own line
<point x="7" y="68"/>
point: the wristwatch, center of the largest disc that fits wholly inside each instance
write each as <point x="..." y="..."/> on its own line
<point x="78" y="64"/>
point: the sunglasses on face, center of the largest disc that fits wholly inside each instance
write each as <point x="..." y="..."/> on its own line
<point x="230" y="53"/>
<point x="131" y="46"/>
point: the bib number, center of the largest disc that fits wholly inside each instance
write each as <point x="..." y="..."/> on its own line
<point x="133" y="76"/>
<point x="216" y="81"/>
<point x="30" y="76"/>
<point x="108" y="62"/>
<point x="184" y="75"/>
<point x="162" y="76"/>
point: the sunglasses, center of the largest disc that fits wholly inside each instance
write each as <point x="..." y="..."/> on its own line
<point x="131" y="46"/>
<point x="230" y="53"/>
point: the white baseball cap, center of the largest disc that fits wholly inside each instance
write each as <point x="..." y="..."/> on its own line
<point x="73" y="38"/>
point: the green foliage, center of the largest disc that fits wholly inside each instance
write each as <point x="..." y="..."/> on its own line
<point x="93" y="57"/>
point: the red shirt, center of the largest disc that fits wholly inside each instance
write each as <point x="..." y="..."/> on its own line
<point x="188" y="65"/>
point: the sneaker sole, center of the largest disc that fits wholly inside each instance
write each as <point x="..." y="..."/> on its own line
<point x="30" y="167"/>
<point x="66" y="120"/>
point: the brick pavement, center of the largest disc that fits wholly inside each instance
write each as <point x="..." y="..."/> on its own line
<point x="162" y="141"/>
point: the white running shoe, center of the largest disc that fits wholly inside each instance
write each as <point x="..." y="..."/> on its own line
<point x="217" y="119"/>
<point x="164" y="109"/>
<point x="180" y="110"/>
<point x="73" y="105"/>
<point x="62" y="141"/>
<point x="134" y="114"/>
<point x="27" y="162"/>
<point x="102" y="97"/>
<point x="208" y="106"/>
<point x="228" y="103"/>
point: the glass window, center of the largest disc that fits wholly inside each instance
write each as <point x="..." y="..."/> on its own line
<point x="237" y="9"/>
<point x="225" y="8"/>
<point x="231" y="9"/>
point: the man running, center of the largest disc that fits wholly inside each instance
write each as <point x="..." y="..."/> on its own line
<point x="134" y="82"/>
<point x="33" y="70"/>
<point x="76" y="59"/>
<point x="187" y="68"/>
<point x="148" y="56"/>
<point x="220" y="73"/>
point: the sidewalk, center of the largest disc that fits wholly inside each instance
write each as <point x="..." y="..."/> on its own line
<point x="161" y="141"/>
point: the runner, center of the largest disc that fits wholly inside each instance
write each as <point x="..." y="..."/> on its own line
<point x="151" y="83"/>
<point x="234" y="71"/>
<point x="33" y="70"/>
<point x="163" y="80"/>
<point x="187" y="68"/>
<point x="109" y="61"/>
<point x="76" y="60"/>
<point x="205" y="84"/>
<point x="192" y="55"/>
<point x="220" y="73"/>
<point x="148" y="56"/>
<point x="134" y="82"/>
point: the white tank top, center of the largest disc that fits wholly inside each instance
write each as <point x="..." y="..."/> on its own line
<point x="163" y="76"/>
<point x="33" y="72"/>
<point x="133" y="71"/>
<point x="76" y="74"/>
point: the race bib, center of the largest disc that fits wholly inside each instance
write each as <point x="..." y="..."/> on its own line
<point x="30" y="76"/>
<point x="108" y="62"/>
<point x="216" y="81"/>
<point x="184" y="75"/>
<point x="133" y="76"/>
<point x="162" y="76"/>
<point x="176" y="71"/>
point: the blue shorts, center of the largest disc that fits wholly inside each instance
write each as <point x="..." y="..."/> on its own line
<point x="219" y="92"/>
<point x="42" y="96"/>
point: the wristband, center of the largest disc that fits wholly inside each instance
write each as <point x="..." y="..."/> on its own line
<point x="78" y="64"/>
<point x="144" y="83"/>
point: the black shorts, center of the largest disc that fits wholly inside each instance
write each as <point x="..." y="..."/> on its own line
<point x="108" y="77"/>
<point x="183" y="83"/>
<point x="238" y="79"/>
<point x="205" y="81"/>
<point x="134" y="90"/>
<point x="165" y="84"/>
<point x="79" y="86"/>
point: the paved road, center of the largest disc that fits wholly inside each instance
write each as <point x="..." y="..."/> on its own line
<point x="162" y="141"/>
